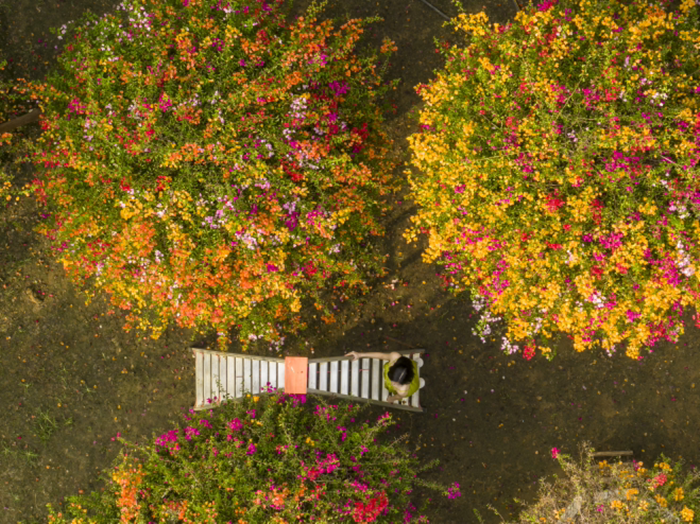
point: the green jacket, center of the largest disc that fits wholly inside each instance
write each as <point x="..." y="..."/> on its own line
<point x="415" y="383"/>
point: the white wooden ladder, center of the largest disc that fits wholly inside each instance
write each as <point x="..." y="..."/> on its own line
<point x="221" y="375"/>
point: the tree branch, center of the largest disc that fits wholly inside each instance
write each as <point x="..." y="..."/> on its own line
<point x="29" y="118"/>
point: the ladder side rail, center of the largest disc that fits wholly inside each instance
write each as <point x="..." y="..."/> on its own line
<point x="238" y="355"/>
<point x="371" y="401"/>
<point x="405" y="352"/>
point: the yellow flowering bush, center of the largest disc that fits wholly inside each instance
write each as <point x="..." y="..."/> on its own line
<point x="214" y="165"/>
<point x="556" y="173"/>
<point x="616" y="492"/>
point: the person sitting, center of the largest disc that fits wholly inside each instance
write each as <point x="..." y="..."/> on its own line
<point x="400" y="373"/>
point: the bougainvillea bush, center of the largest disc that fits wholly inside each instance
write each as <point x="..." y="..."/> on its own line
<point x="557" y="173"/>
<point x="272" y="458"/>
<point x="211" y="164"/>
<point x="616" y="492"/>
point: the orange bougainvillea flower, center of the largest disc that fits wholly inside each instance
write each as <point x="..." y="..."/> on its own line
<point x="214" y="170"/>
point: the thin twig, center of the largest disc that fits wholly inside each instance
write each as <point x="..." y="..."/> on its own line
<point x="668" y="160"/>
<point x="431" y="6"/>
<point x="399" y="342"/>
<point x="613" y="454"/>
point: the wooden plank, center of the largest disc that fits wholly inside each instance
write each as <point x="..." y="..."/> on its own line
<point x="272" y="377"/>
<point x="231" y="377"/>
<point x="313" y="370"/>
<point x="385" y="392"/>
<point x="223" y="371"/>
<point x="323" y="376"/>
<point x="376" y="385"/>
<point x="355" y="378"/>
<point x="246" y="375"/>
<point x="214" y="377"/>
<point x="199" y="367"/>
<point x="206" y="374"/>
<point x="239" y="377"/>
<point x="256" y="377"/>
<point x="415" y="398"/>
<point x="264" y="366"/>
<point x="334" y="377"/>
<point x="365" y="378"/>
<point x="280" y="375"/>
<point x="344" y="376"/>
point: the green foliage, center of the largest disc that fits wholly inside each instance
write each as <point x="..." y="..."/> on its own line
<point x="13" y="103"/>
<point x="264" y="459"/>
<point x="616" y="493"/>
<point x="557" y="173"/>
<point x="210" y="164"/>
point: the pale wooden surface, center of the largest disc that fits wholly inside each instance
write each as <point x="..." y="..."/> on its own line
<point x="222" y="375"/>
<point x="207" y="376"/>
<point x="215" y="377"/>
<point x="355" y="382"/>
<point x="231" y="376"/>
<point x="264" y="366"/>
<point x="280" y="375"/>
<point x="246" y="374"/>
<point x="375" y="378"/>
<point x="313" y="374"/>
<point x="364" y="377"/>
<point x="272" y="374"/>
<point x="334" y="376"/>
<point x="323" y="376"/>
<point x="256" y="377"/>
<point x="344" y="376"/>
<point x="239" y="377"/>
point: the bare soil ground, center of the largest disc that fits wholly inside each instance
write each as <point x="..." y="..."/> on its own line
<point x="71" y="380"/>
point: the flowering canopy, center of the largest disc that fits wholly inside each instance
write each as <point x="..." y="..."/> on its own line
<point x="209" y="163"/>
<point x="558" y="172"/>
<point x="264" y="459"/>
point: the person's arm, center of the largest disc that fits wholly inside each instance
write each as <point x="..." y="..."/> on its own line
<point x="354" y="355"/>
<point x="401" y="393"/>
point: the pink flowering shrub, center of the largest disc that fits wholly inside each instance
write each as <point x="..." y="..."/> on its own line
<point x="272" y="458"/>
<point x="557" y="173"/>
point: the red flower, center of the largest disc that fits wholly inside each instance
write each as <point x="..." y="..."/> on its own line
<point x="554" y="203"/>
<point x="597" y="272"/>
<point x="528" y="352"/>
<point x="370" y="511"/>
<point x="309" y="269"/>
